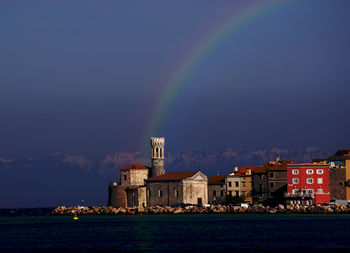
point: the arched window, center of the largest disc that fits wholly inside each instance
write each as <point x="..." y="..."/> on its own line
<point x="161" y="152"/>
<point x="157" y="152"/>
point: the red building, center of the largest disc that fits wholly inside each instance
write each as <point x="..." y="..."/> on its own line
<point x="307" y="184"/>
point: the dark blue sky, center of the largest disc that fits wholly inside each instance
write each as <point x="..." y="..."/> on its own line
<point x="77" y="76"/>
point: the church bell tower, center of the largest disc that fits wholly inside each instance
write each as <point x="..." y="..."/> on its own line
<point x="157" y="156"/>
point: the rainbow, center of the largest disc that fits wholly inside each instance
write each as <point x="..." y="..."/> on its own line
<point x="174" y="81"/>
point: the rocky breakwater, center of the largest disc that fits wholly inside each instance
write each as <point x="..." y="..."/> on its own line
<point x="213" y="209"/>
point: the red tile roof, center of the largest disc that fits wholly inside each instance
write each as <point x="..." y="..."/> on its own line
<point x="173" y="176"/>
<point x="306" y="165"/>
<point x="260" y="171"/>
<point x="243" y="170"/>
<point x="216" y="180"/>
<point x="135" y="167"/>
<point x="276" y="167"/>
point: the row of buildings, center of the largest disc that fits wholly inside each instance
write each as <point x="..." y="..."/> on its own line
<point x="279" y="181"/>
<point x="283" y="181"/>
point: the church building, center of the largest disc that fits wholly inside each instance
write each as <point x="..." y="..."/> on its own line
<point x="142" y="186"/>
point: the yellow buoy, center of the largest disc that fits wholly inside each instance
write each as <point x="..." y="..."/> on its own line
<point x="75" y="218"/>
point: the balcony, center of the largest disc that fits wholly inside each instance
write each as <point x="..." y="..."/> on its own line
<point x="299" y="195"/>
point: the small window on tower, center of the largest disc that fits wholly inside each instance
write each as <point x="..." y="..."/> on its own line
<point x="160" y="193"/>
<point x="125" y="177"/>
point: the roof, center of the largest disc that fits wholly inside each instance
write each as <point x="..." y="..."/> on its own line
<point x="260" y="171"/>
<point x="338" y="158"/>
<point x="312" y="165"/>
<point x="135" y="167"/>
<point x="242" y="171"/>
<point x="275" y="167"/>
<point x="278" y="168"/>
<point x="173" y="176"/>
<point x="216" y="180"/>
<point x="342" y="152"/>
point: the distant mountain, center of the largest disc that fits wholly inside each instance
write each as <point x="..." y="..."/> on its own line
<point x="69" y="179"/>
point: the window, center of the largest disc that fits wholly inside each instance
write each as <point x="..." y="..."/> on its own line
<point x="214" y="193"/>
<point x="243" y="184"/>
<point x="272" y="184"/>
<point x="319" y="172"/>
<point x="149" y="193"/>
<point x="125" y="177"/>
<point x="222" y="193"/>
<point x="295" y="191"/>
<point x="237" y="193"/>
<point x="309" y="172"/>
<point x="229" y="184"/>
<point x="230" y="193"/>
<point x="295" y="180"/>
<point x="310" y="191"/>
<point x="303" y="191"/>
<point x="310" y="180"/>
<point x="341" y="184"/>
<point x="272" y="175"/>
<point x="319" y="190"/>
<point x="320" y="180"/>
<point x="243" y="194"/>
<point x="160" y="193"/>
<point x="237" y="184"/>
<point x="295" y="172"/>
<point x="177" y="193"/>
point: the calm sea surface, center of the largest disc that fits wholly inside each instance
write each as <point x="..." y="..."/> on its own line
<point x="176" y="233"/>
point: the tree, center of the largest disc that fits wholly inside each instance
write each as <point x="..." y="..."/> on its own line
<point x="235" y="200"/>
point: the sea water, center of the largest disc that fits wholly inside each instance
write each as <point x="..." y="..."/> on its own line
<point x="176" y="233"/>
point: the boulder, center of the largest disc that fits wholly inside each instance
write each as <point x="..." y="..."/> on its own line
<point x="178" y="210"/>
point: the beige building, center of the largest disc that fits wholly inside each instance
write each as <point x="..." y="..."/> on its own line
<point x="177" y="188"/>
<point x="133" y="175"/>
<point x="239" y="183"/>
<point x="132" y="190"/>
<point x="233" y="185"/>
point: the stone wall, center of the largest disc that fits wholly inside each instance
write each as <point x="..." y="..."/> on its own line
<point x="337" y="183"/>
<point x="219" y="196"/>
<point x="163" y="193"/>
<point x="133" y="177"/>
<point x="194" y="190"/>
<point x="277" y="185"/>
<point x="260" y="187"/>
<point x="233" y="186"/>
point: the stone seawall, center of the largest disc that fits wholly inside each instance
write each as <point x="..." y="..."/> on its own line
<point x="217" y="209"/>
